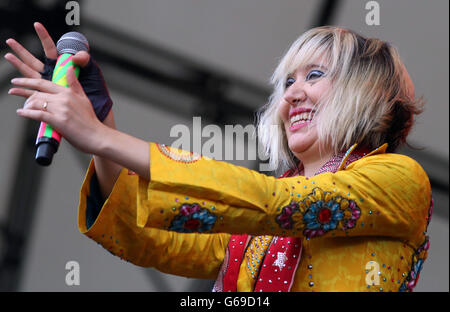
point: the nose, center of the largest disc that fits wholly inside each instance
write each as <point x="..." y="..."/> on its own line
<point x="295" y="94"/>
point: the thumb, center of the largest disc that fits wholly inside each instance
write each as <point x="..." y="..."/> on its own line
<point x="72" y="80"/>
<point x="81" y="58"/>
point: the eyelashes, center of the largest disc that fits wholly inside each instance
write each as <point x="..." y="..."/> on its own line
<point x="290" y="81"/>
<point x="314" y="74"/>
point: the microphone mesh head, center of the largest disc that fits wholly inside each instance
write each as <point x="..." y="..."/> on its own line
<point x="72" y="42"/>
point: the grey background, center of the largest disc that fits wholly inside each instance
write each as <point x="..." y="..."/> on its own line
<point x="245" y="39"/>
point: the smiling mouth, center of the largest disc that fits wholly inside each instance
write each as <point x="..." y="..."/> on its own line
<point x="301" y="118"/>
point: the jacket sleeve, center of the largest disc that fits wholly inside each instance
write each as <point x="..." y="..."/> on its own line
<point x="113" y="225"/>
<point x="378" y="195"/>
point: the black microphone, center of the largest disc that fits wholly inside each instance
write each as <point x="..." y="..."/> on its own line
<point x="47" y="141"/>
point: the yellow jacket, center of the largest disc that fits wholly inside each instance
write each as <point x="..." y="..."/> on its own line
<point x="375" y="240"/>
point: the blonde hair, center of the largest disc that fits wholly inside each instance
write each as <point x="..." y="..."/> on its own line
<point x="370" y="102"/>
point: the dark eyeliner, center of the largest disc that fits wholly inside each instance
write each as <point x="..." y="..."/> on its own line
<point x="288" y="84"/>
<point x="315" y="70"/>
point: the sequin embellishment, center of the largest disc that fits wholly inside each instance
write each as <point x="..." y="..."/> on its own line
<point x="178" y="154"/>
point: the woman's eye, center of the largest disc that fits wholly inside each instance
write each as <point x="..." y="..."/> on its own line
<point x="314" y="74"/>
<point x="289" y="82"/>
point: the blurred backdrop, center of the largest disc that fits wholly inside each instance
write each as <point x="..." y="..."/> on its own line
<point x="166" y="61"/>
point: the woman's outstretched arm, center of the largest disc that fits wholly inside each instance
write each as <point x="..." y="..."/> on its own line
<point x="106" y="169"/>
<point x="114" y="223"/>
<point x="70" y="112"/>
<point x="31" y="67"/>
<point x="116" y="150"/>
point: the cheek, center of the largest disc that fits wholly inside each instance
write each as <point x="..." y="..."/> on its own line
<point x="321" y="88"/>
<point x="283" y="111"/>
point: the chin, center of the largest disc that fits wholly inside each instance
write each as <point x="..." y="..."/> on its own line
<point x="301" y="144"/>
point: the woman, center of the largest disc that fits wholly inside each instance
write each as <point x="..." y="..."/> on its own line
<point x="347" y="215"/>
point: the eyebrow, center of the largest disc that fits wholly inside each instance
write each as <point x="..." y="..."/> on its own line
<point x="307" y="67"/>
<point x="315" y="65"/>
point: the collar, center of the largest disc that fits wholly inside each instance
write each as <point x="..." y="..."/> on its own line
<point x="340" y="160"/>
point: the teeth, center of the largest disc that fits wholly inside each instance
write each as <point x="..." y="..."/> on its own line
<point x="300" y="122"/>
<point x="301" y="118"/>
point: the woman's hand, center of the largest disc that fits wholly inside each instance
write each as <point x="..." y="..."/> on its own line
<point x="27" y="64"/>
<point x="70" y="113"/>
<point x="68" y="110"/>
<point x="31" y="67"/>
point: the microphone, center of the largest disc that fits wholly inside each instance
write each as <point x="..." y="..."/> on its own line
<point x="47" y="141"/>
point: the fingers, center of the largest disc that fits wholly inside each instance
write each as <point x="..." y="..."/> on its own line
<point x="38" y="84"/>
<point x="25" y="56"/>
<point x="42" y="102"/>
<point x="23" y="68"/>
<point x="37" y="101"/>
<point x="38" y="115"/>
<point x="72" y="81"/>
<point x="21" y="92"/>
<point x="47" y="42"/>
<point x="81" y="58"/>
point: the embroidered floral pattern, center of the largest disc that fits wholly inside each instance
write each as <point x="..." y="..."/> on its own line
<point x="322" y="213"/>
<point x="193" y="218"/>
<point x="418" y="258"/>
<point x="416" y="266"/>
<point x="284" y="219"/>
<point x="281" y="259"/>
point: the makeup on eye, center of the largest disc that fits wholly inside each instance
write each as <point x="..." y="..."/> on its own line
<point x="317" y="73"/>
<point x="290" y="81"/>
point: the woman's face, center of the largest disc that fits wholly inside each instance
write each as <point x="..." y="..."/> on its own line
<point x="303" y="90"/>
